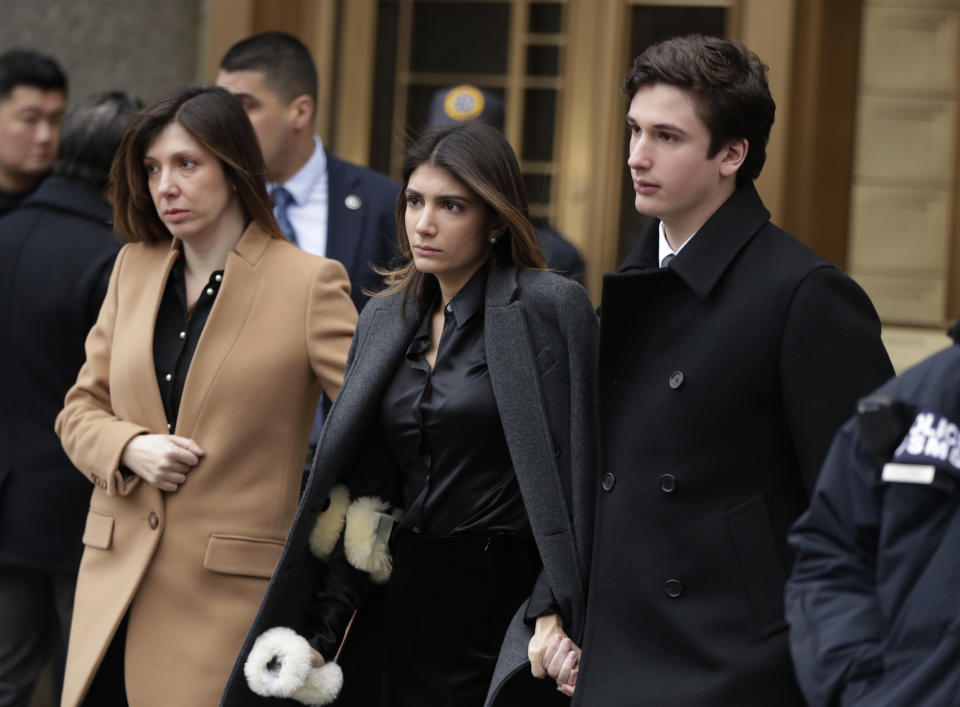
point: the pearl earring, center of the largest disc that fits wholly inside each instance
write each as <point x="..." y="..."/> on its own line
<point x="493" y="240"/>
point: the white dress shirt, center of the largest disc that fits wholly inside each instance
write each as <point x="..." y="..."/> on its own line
<point x="665" y="248"/>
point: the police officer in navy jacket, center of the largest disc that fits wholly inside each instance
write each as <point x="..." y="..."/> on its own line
<point x="874" y="599"/>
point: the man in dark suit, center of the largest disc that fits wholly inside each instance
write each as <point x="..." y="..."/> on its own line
<point x="33" y="98"/>
<point x="730" y="354"/>
<point x="56" y="255"/>
<point x="327" y="206"/>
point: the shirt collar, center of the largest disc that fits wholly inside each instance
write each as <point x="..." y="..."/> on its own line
<point x="302" y="184"/>
<point x="664" y="248"/>
<point x="468" y="301"/>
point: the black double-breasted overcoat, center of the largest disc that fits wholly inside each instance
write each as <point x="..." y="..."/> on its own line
<point x="723" y="378"/>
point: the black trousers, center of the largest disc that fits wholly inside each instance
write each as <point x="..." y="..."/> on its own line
<point x="449" y="602"/>
<point x="109" y="687"/>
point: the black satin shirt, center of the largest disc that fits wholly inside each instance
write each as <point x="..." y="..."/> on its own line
<point x="444" y="429"/>
<point x="176" y="335"/>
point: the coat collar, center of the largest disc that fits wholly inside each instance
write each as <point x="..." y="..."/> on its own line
<point x="65" y="195"/>
<point x="702" y="263"/>
<point x="502" y="285"/>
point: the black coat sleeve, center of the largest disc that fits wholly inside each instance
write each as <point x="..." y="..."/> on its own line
<point x="831" y="355"/>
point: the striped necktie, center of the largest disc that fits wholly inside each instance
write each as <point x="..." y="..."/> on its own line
<point x="282" y="199"/>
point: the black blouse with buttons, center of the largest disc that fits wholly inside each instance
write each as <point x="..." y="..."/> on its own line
<point x="444" y="429"/>
<point x="176" y="335"/>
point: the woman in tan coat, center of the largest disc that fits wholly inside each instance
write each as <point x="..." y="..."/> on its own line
<point x="193" y="410"/>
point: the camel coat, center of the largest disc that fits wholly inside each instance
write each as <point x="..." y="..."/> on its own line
<point x="189" y="568"/>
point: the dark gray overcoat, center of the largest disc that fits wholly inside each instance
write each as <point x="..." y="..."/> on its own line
<point x="723" y="380"/>
<point x="540" y="333"/>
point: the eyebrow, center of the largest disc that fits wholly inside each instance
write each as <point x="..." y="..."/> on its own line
<point x="40" y="111"/>
<point x="176" y="155"/>
<point x="660" y="126"/>
<point x="243" y="96"/>
<point x="440" y="197"/>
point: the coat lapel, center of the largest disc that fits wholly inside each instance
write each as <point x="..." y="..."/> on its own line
<point x="380" y="344"/>
<point x="517" y="391"/>
<point x="143" y="372"/>
<point x="241" y="281"/>
<point x="345" y="211"/>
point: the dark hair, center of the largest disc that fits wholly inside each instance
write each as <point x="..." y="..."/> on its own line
<point x="20" y="67"/>
<point x="214" y="119"/>
<point x="728" y="83"/>
<point x="288" y="68"/>
<point x="478" y="156"/>
<point x="90" y="136"/>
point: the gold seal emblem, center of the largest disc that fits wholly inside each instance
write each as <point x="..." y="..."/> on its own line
<point x="463" y="102"/>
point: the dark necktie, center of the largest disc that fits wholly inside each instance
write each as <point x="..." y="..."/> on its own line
<point x="666" y="259"/>
<point x="282" y="199"/>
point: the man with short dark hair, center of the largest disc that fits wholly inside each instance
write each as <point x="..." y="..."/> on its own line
<point x="327" y="206"/>
<point x="730" y="355"/>
<point x="33" y="94"/>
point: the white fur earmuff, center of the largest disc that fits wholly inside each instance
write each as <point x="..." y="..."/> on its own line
<point x="366" y="537"/>
<point x="279" y="665"/>
<point x="326" y="531"/>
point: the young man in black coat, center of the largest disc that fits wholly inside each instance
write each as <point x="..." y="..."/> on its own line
<point x="730" y="354"/>
<point x="56" y="255"/>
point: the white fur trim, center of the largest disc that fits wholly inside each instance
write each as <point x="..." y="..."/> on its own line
<point x="322" y="686"/>
<point x="279" y="663"/>
<point x="365" y="549"/>
<point x="329" y="525"/>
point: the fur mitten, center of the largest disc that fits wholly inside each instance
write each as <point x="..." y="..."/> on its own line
<point x="279" y="665"/>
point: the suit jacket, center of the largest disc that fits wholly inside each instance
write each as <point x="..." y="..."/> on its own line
<point x="56" y="253"/>
<point x="361" y="224"/>
<point x="540" y="337"/>
<point x="189" y="568"/>
<point x="723" y="379"/>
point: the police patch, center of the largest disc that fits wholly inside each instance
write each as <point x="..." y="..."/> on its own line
<point x="463" y="102"/>
<point x="932" y="439"/>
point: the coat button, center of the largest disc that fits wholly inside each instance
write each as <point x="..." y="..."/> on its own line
<point x="672" y="588"/>
<point x="609" y="480"/>
<point x="416" y="529"/>
<point x="676" y="380"/>
<point x="668" y="483"/>
<point x="154" y="520"/>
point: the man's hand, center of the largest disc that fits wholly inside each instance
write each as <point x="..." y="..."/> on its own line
<point x="552" y="653"/>
<point x="561" y="660"/>
<point x="161" y="460"/>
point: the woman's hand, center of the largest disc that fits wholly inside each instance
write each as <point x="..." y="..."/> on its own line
<point x="161" y="460"/>
<point x="316" y="659"/>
